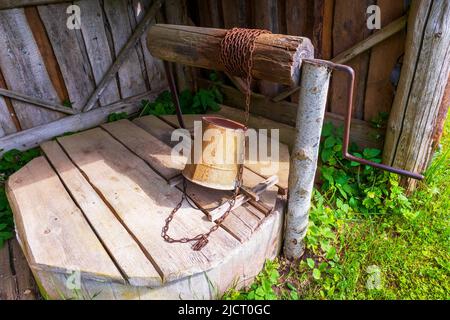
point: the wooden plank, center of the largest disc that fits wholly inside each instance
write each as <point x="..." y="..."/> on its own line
<point x="210" y="13"/>
<point x="156" y="127"/>
<point x="380" y="91"/>
<point x="23" y="68"/>
<point x="143" y="200"/>
<point x="46" y="51"/>
<point x="53" y="230"/>
<point x="31" y="138"/>
<point x="323" y="28"/>
<point x="361" y="132"/>
<point x="236" y="13"/>
<point x="156" y="153"/>
<point x="422" y="84"/>
<point x="8" y="287"/>
<point x="126" y="253"/>
<point x="349" y="27"/>
<point x="8" y="118"/>
<point x="70" y="53"/>
<point x="131" y="79"/>
<point x="9" y="4"/>
<point x="155" y="67"/>
<point x="97" y="47"/>
<point x="26" y="286"/>
<point x="265" y="16"/>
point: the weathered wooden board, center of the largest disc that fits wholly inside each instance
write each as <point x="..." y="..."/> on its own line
<point x="156" y="153"/>
<point x="46" y="51"/>
<point x="97" y="47"/>
<point x="143" y="200"/>
<point x="53" y="230"/>
<point x="8" y="289"/>
<point x="383" y="57"/>
<point x="154" y="67"/>
<point x="126" y="253"/>
<point x="349" y="27"/>
<point x="26" y="286"/>
<point x="70" y="51"/>
<point x="23" y="68"/>
<point x="131" y="79"/>
<point x="9" y="4"/>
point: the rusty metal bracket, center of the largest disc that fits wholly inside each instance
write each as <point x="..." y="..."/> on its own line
<point x="348" y="119"/>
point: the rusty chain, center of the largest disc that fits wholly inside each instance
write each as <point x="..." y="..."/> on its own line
<point x="236" y="54"/>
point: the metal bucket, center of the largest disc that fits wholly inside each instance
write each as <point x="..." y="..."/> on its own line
<point x="222" y="150"/>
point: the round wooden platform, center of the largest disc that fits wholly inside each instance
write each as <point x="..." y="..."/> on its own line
<point x="89" y="216"/>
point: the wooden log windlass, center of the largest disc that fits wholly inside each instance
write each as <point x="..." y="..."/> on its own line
<point x="276" y="57"/>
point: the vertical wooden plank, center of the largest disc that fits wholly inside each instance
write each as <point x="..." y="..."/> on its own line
<point x="130" y="74"/>
<point x="349" y="27"/>
<point x="154" y="67"/>
<point x="236" y="13"/>
<point x="70" y="53"/>
<point x="265" y="16"/>
<point x="8" y="118"/>
<point x="46" y="51"/>
<point x="26" y="286"/>
<point x="8" y="288"/>
<point x="176" y="13"/>
<point x="24" y="69"/>
<point x="210" y="13"/>
<point x="296" y="17"/>
<point x="379" y="91"/>
<point x="97" y="47"/>
<point x="322" y="29"/>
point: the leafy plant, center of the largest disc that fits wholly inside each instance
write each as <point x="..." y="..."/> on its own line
<point x="190" y="103"/>
<point x="115" y="116"/>
<point x="11" y="161"/>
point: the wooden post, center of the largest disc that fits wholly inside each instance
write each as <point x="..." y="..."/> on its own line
<point x="414" y="114"/>
<point x="310" y="114"/>
<point x="276" y="57"/>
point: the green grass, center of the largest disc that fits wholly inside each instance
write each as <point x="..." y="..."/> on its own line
<point x="396" y="254"/>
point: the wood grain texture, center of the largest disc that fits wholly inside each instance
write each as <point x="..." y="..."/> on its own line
<point x="131" y="79"/>
<point x="236" y="13"/>
<point x="276" y="57"/>
<point x="154" y="67"/>
<point x="70" y="53"/>
<point x="46" y="51"/>
<point x="123" y="179"/>
<point x="9" y="4"/>
<point x="349" y="27"/>
<point x="126" y="253"/>
<point x="97" y="47"/>
<point x="8" y="118"/>
<point x="23" y="68"/>
<point x="55" y="234"/>
<point x="415" y="110"/>
<point x="8" y="288"/>
<point x="379" y="90"/>
<point x="26" y="285"/>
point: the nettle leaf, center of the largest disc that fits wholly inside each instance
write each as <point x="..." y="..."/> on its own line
<point x="370" y="153"/>
<point x="326" y="154"/>
<point x="329" y="142"/>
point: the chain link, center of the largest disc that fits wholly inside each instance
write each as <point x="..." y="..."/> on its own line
<point x="237" y="56"/>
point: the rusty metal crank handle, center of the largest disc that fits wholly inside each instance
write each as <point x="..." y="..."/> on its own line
<point x="348" y="119"/>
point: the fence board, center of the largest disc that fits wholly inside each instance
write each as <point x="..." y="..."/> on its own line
<point x="130" y="74"/>
<point x="97" y="47"/>
<point x="70" y="53"/>
<point x="24" y="69"/>
<point x="379" y="91"/>
<point x="349" y="28"/>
